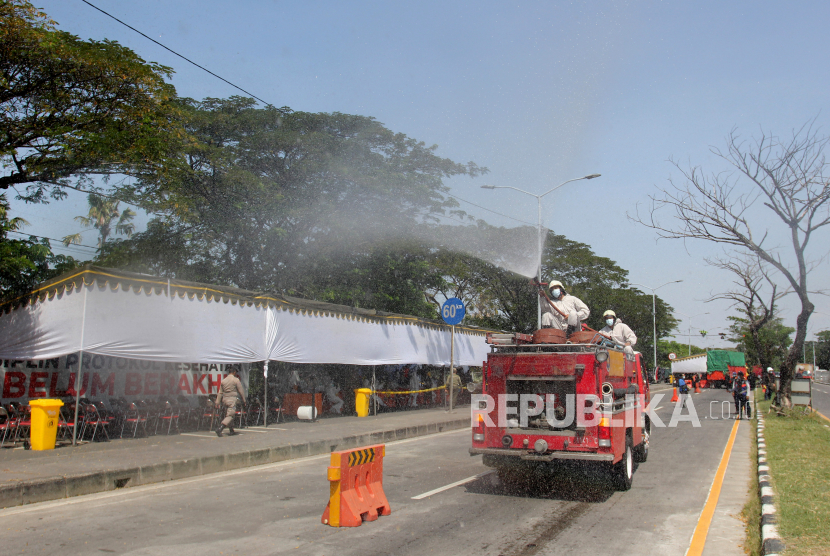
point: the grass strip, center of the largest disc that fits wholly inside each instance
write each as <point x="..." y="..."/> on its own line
<point x="798" y="453"/>
<point x="751" y="512"/>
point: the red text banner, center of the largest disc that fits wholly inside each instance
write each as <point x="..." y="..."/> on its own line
<point x="109" y="377"/>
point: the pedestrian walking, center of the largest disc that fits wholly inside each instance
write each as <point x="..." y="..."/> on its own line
<point x="769" y="383"/>
<point x="228" y="390"/>
<point x="682" y="390"/>
<point x="740" y="391"/>
<point x="456" y="386"/>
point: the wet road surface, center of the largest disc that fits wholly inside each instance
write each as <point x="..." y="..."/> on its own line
<point x="276" y="509"/>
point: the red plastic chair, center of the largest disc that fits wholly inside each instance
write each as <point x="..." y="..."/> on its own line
<point x="94" y="419"/>
<point x="24" y="423"/>
<point x="170" y="415"/>
<point x="66" y="423"/>
<point x="8" y="426"/>
<point x="134" y="418"/>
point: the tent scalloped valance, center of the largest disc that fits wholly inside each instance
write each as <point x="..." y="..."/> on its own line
<point x="137" y="283"/>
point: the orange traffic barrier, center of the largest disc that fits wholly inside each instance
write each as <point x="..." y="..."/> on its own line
<point x="356" y="487"/>
<point x="674" y="396"/>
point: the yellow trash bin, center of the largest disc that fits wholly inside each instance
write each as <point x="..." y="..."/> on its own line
<point x="45" y="416"/>
<point x="361" y="401"/>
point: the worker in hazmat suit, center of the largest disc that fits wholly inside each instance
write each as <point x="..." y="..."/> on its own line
<point x="575" y="310"/>
<point x="618" y="331"/>
<point x="375" y="398"/>
<point x="336" y="401"/>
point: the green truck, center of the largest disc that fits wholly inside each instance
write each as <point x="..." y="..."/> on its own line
<point x="715" y="368"/>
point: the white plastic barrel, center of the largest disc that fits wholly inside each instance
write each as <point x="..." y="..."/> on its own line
<point x="304" y="412"/>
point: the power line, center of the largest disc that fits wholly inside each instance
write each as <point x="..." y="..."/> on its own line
<point x="489" y="210"/>
<point x="94" y="192"/>
<point x="53" y="239"/>
<point x="176" y="53"/>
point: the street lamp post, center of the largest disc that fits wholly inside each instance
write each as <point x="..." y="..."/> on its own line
<point x="539" y="229"/>
<point x="690" y="327"/>
<point x="654" y="313"/>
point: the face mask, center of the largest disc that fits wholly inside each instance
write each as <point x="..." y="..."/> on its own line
<point x="609" y="322"/>
<point x="556" y="292"/>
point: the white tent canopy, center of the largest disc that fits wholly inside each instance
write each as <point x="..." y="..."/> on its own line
<point x="109" y="312"/>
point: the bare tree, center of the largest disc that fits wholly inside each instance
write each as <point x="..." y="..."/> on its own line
<point x="750" y="294"/>
<point x="786" y="176"/>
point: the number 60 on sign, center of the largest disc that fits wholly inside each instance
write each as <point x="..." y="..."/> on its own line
<point x="452" y="311"/>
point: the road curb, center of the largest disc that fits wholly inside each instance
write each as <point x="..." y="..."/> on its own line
<point x="771" y="543"/>
<point x="55" y="488"/>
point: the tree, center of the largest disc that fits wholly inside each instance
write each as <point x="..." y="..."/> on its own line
<point x="507" y="301"/>
<point x="823" y="349"/>
<point x="25" y="262"/>
<point x="748" y="294"/>
<point x="284" y="201"/>
<point x="102" y="213"/>
<point x="680" y="349"/>
<point x="769" y="344"/>
<point x="74" y="108"/>
<point x="785" y="176"/>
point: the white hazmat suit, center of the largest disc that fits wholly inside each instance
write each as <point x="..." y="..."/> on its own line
<point x="621" y="334"/>
<point x="572" y="306"/>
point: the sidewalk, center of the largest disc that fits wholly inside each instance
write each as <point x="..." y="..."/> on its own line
<point x="727" y="531"/>
<point x="27" y="476"/>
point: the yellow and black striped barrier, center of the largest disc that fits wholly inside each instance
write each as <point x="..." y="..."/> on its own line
<point x="356" y="487"/>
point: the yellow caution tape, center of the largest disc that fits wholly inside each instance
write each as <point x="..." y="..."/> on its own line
<point x="412" y="391"/>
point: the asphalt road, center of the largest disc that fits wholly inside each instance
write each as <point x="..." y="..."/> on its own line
<point x="276" y="509"/>
<point x="821" y="398"/>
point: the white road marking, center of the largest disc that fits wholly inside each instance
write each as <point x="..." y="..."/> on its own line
<point x="451" y="485"/>
<point x="105" y="497"/>
<point x="87" y="499"/>
<point x="197" y="435"/>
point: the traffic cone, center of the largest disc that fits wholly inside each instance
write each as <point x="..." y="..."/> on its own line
<point x="697" y="388"/>
<point x="674" y="396"/>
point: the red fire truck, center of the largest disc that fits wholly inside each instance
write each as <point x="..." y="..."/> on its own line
<point x="593" y="392"/>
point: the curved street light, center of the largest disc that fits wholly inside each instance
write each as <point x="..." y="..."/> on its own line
<point x="654" y="313"/>
<point x="539" y="212"/>
<point x="690" y="326"/>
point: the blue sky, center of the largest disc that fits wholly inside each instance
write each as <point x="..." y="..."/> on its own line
<point x="538" y="92"/>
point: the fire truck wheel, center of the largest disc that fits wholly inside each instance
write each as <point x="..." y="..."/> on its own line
<point x="641" y="451"/>
<point x="623" y="472"/>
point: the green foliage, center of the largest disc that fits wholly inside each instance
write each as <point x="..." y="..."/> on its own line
<point x="798" y="454"/>
<point x="311" y="205"/>
<point x="602" y="285"/>
<point x="25" y="262"/>
<point x="506" y="301"/>
<point x="102" y="213"/>
<point x="774" y="337"/>
<point x="71" y="107"/>
<point x="391" y="277"/>
<point x="822" y="347"/>
<point x="680" y="349"/>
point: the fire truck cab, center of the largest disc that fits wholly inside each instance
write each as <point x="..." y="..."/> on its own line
<point x="543" y="402"/>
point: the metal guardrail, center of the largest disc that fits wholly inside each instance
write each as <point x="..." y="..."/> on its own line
<point x="822" y="376"/>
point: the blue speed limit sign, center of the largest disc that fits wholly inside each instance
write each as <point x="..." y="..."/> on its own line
<point x="452" y="311"/>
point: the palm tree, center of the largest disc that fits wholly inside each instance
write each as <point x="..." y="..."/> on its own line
<point x="102" y="213"/>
